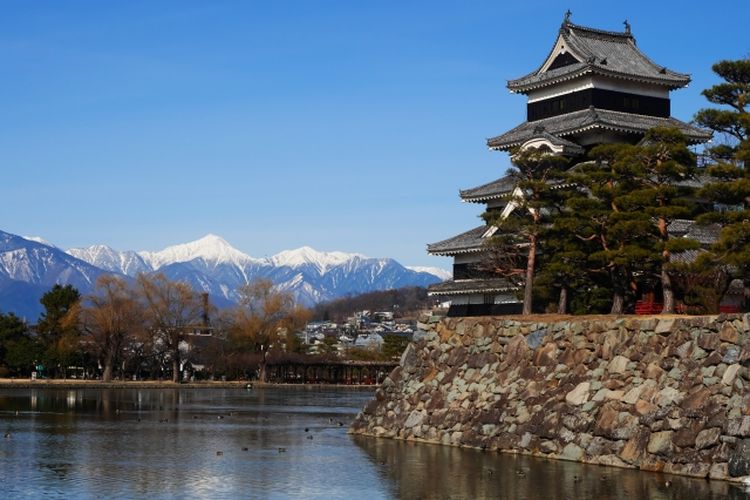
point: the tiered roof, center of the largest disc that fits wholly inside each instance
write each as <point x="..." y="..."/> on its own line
<point x="473" y="286"/>
<point x="491" y="191"/>
<point x="592" y="118"/>
<point x="579" y="52"/>
<point x="468" y="242"/>
<point x="598" y="52"/>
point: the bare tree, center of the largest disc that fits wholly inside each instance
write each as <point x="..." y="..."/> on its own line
<point x="262" y="319"/>
<point x="110" y="319"/>
<point x="171" y="309"/>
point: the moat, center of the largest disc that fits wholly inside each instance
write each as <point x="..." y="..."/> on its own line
<point x="269" y="443"/>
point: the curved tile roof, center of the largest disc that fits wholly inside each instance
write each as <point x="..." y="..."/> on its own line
<point x="490" y="191"/>
<point x="592" y="118"/>
<point x="468" y="287"/>
<point x="601" y="52"/>
<point x="470" y="241"/>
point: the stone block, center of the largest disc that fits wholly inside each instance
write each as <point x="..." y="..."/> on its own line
<point x="618" y="365"/>
<point x="635" y="449"/>
<point x="707" y="438"/>
<point x="660" y="443"/>
<point x="548" y="447"/>
<point x="729" y="333"/>
<point x="572" y="452"/>
<point x="644" y="407"/>
<point x="654" y="371"/>
<point x="708" y="341"/>
<point x="697" y="399"/>
<point x="668" y="396"/>
<point x="535" y="339"/>
<point x="739" y="426"/>
<point x="664" y="327"/>
<point x="730" y="374"/>
<point x="731" y="355"/>
<point x="719" y="471"/>
<point x="739" y="461"/>
<point x="579" y="395"/>
<point x="415" y="418"/>
<point x="633" y="394"/>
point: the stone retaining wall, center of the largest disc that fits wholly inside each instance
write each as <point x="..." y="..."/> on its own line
<point x="660" y="393"/>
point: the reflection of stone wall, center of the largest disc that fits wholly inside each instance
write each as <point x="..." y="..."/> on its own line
<point x="666" y="393"/>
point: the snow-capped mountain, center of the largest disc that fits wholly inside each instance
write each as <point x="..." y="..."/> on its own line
<point x="102" y="256"/>
<point x="29" y="268"/>
<point x="41" y="264"/>
<point x="209" y="264"/>
<point x="306" y="256"/>
<point x="210" y="248"/>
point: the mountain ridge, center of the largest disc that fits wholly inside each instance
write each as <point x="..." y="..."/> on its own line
<point x="209" y="264"/>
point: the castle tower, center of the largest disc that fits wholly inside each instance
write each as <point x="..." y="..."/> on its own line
<point x="594" y="87"/>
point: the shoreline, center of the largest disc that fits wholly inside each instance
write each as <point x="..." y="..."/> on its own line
<point x="6" y="383"/>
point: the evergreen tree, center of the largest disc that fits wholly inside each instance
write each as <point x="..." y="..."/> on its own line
<point x="658" y="169"/>
<point x="730" y="190"/>
<point x="536" y="200"/>
<point x="618" y="243"/>
<point x="18" y="350"/>
<point x="57" y="329"/>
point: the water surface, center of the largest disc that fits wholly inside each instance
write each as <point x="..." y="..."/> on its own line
<point x="268" y="443"/>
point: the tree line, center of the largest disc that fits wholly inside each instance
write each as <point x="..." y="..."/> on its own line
<point x="149" y="328"/>
<point x="402" y="301"/>
<point x="595" y="236"/>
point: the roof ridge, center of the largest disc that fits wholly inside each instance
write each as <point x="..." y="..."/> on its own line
<point x="595" y="31"/>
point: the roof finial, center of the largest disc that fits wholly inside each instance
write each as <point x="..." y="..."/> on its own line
<point x="567" y="16"/>
<point x="627" y="26"/>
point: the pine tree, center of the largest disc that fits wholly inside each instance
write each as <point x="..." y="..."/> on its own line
<point x="731" y="189"/>
<point x="536" y="199"/>
<point x="658" y="169"/>
<point x="619" y="241"/>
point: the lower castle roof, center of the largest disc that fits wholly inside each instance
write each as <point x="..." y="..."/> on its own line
<point x="492" y="190"/>
<point x="471" y="287"/>
<point x="470" y="241"/>
<point x="593" y="118"/>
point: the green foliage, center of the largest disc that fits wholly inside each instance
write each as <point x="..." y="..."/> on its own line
<point x="730" y="190"/>
<point x="537" y="199"/>
<point x="58" y="332"/>
<point x="18" y="350"/>
<point x="394" y="346"/>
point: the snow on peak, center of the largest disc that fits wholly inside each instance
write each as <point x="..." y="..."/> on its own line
<point x="435" y="271"/>
<point x="211" y="248"/>
<point x="309" y="256"/>
<point x="39" y="239"/>
<point x="107" y="258"/>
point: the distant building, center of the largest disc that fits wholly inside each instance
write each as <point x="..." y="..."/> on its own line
<point x="594" y="87"/>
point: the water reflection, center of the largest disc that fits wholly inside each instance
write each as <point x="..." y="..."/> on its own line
<point x="432" y="471"/>
<point x="166" y="443"/>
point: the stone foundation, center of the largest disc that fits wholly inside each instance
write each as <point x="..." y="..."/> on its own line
<point x="658" y="393"/>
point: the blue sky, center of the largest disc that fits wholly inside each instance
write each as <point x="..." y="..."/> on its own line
<point x="340" y="125"/>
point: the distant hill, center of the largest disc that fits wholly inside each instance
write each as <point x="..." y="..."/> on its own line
<point x="404" y="302"/>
